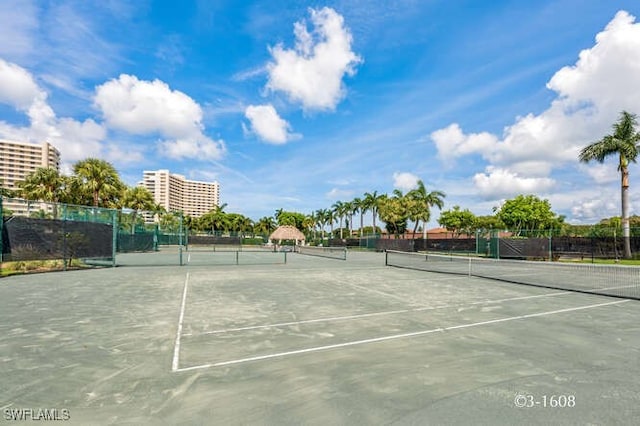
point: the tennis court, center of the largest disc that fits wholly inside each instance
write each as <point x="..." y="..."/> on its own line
<point x="314" y="340"/>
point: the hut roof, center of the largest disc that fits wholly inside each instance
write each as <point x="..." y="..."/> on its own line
<point x="287" y="232"/>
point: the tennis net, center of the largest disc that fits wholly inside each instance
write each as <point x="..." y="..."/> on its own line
<point x="608" y="280"/>
<point x="339" y="253"/>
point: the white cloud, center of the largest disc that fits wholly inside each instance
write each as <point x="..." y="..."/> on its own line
<point x="17" y="87"/>
<point x="312" y="72"/>
<point x="339" y="194"/>
<point x="405" y="181"/>
<point x="198" y="147"/>
<point x="451" y="142"/>
<point x="590" y="95"/>
<point x="75" y="139"/>
<point x="147" y="107"/>
<point x="142" y="107"/>
<point x="594" y="209"/>
<point x="267" y="124"/>
<point x="602" y="173"/>
<point x="498" y="183"/>
<point x="606" y="74"/>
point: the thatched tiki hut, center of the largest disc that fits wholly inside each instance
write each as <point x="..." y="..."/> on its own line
<point x="287" y="232"/>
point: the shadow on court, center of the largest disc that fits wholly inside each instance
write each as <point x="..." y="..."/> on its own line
<point x="313" y="341"/>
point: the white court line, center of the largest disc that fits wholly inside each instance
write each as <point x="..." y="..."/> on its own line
<point x="176" y="348"/>
<point x="393" y="337"/>
<point x="372" y="314"/>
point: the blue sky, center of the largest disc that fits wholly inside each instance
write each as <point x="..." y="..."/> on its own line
<point x="296" y="105"/>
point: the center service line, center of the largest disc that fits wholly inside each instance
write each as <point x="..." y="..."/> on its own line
<point x="176" y="348"/>
<point x="393" y="337"/>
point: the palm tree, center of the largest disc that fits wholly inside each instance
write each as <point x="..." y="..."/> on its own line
<point x="309" y="223"/>
<point x="359" y="207"/>
<point x="100" y="179"/>
<point x="322" y="217"/>
<point x="330" y="218"/>
<point x="214" y="219"/>
<point x="265" y="225"/>
<point x="137" y="198"/>
<point x="339" y="211"/>
<point x="44" y="184"/>
<point x="423" y="201"/>
<point x="349" y="210"/>
<point x="5" y="192"/>
<point x="371" y="201"/>
<point x="623" y="142"/>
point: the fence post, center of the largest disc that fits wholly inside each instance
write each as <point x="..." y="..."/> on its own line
<point x="114" y="237"/>
<point x="64" y="245"/>
<point x="1" y="229"/>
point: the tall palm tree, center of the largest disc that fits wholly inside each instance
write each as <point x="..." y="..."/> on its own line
<point x="309" y="224"/>
<point x="423" y="201"/>
<point x="322" y="216"/>
<point x="330" y="218"/>
<point x="349" y="210"/>
<point x="359" y="207"/>
<point x="371" y="201"/>
<point x="624" y="143"/>
<point x="339" y="211"/>
<point x="100" y="179"/>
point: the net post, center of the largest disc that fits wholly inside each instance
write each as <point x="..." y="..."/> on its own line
<point x="285" y="257"/>
<point x="180" y="260"/>
<point x="237" y="257"/>
<point x="386" y="258"/>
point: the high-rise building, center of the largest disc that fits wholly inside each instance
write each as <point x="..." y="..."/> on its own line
<point x="18" y="159"/>
<point x="176" y="193"/>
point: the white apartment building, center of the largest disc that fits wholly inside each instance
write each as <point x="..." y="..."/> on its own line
<point x="176" y="193"/>
<point x="18" y="159"/>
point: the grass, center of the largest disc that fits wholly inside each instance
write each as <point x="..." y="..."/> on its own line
<point x="34" y="266"/>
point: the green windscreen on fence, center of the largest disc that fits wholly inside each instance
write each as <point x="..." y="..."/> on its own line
<point x="37" y="235"/>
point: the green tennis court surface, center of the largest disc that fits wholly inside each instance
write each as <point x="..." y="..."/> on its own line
<point x="313" y="341"/>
